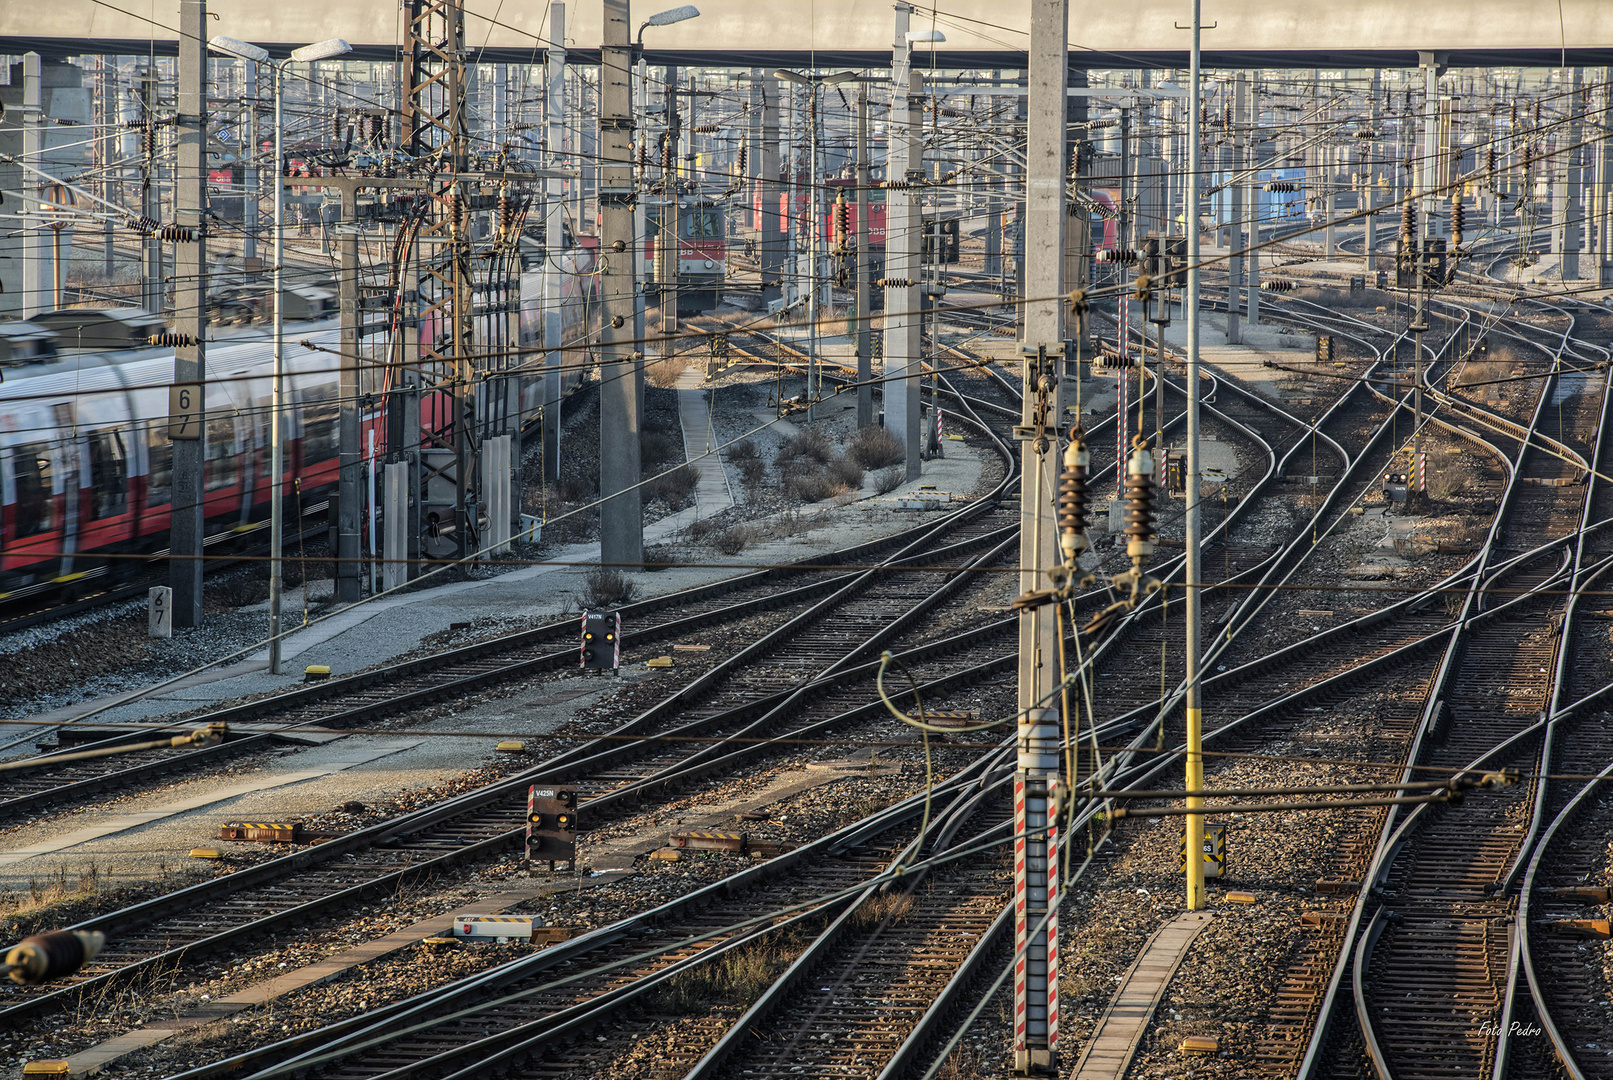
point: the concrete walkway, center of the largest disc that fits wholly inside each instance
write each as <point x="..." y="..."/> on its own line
<point x="1109" y="1051"/>
<point x="712" y="495"/>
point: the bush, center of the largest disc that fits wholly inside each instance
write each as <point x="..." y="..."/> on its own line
<point x="847" y="472"/>
<point x="576" y="489"/>
<point x="675" y="487"/>
<point x="812" y="485"/>
<point x="806" y="446"/>
<point x="888" y="480"/>
<point x="657" y="557"/>
<point x="743" y="450"/>
<point x="875" y="448"/>
<point x="751" y="470"/>
<point x="655" y="447"/>
<point x="732" y="541"/>
<point x="606" y="588"/>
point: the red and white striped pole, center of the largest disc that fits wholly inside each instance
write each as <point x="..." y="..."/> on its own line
<point x="1036" y="928"/>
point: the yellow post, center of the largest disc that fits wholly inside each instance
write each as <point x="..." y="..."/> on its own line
<point x="1194" y="838"/>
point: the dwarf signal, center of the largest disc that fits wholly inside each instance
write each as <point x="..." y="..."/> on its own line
<point x="601" y="640"/>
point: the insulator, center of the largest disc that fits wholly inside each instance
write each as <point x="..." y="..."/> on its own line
<point x="1277" y="285"/>
<point x="1226" y="117"/>
<point x="1537" y="114"/>
<point x="1118" y="256"/>
<point x="1073" y="498"/>
<point x="744" y="159"/>
<point x="1204" y="116"/>
<point x="1458" y="219"/>
<point x="666" y="156"/>
<point x="1489" y="160"/>
<point x="1514" y="116"/>
<point x="1139" y="496"/>
<point x="178" y="234"/>
<point x="842" y="219"/>
<point x="706" y="129"/>
<point x="1408" y="220"/>
<point x="1281" y="186"/>
<point x="336" y="125"/>
<point x="169" y="339"/>
<point x="150" y="140"/>
<point x="145" y="226"/>
<point x="935" y="110"/>
<point x="134" y="123"/>
<point x="381" y="129"/>
<point x="1528" y="156"/>
<point x="505" y="213"/>
<point x="893" y="283"/>
<point x="48" y="956"/>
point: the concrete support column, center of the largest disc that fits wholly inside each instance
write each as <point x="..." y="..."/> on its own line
<point x="1567" y="213"/>
<point x="554" y="240"/>
<point x="1046" y="159"/>
<point x="189" y="512"/>
<point x="1239" y="138"/>
<point x="621" y="521"/>
<point x="770" y="239"/>
<point x="37" y="294"/>
<point x="350" y="491"/>
<point x="903" y="239"/>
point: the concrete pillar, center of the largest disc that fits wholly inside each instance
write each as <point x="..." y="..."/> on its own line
<point x="903" y="239"/>
<point x="188" y="513"/>
<point x="1241" y="125"/>
<point x="554" y="113"/>
<point x="37" y="293"/>
<point x="395" y="525"/>
<point x="621" y="521"/>
<point x="350" y="491"/>
<point x="1567" y="212"/>
<point x="1036" y="953"/>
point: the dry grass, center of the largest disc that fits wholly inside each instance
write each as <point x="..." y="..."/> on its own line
<point x="1482" y="372"/>
<point x="665" y="371"/>
<point x="736" y="978"/>
<point x="888" y="480"/>
<point x="1448" y="475"/>
<point x="882" y="909"/>
<point x="675" y="487"/>
<point x="876" y="448"/>
<point x="606" y="588"/>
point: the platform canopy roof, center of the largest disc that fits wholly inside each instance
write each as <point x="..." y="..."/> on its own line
<point x="979" y="33"/>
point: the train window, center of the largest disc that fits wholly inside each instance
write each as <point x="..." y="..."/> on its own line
<point x="109" y="474"/>
<point x="223" y="467"/>
<point x="33" y="470"/>
<point x="318" y="424"/>
<point x="160" y="454"/>
<point x="702" y="223"/>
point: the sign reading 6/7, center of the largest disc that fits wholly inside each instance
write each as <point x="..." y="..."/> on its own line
<point x="185" y="411"/>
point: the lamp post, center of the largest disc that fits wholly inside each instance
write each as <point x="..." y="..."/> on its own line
<point x="815" y="275"/>
<point x="322" y="50"/>
<point x="666" y="236"/>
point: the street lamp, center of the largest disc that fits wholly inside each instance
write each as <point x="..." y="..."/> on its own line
<point x="321" y="50"/>
<point x="667" y="18"/>
<point x="815" y="279"/>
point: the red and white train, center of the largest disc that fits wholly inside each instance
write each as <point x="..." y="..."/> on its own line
<point x="86" y="463"/>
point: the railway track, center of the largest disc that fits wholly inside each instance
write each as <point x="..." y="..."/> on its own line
<point x="863" y="610"/>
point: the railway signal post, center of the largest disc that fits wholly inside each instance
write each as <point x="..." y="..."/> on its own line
<point x="1036" y="780"/>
